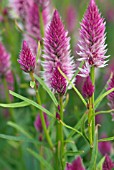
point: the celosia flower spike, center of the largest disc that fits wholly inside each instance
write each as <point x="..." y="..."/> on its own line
<point x="88" y="88"/>
<point x="57" y="55"/>
<point x="92" y="48"/>
<point x="76" y="165"/>
<point x="26" y="59"/>
<point x="108" y="164"/>
<point x="38" y="124"/>
<point x="4" y="61"/>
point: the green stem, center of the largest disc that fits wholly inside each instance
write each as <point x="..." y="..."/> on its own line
<point x="91" y="118"/>
<point x="41" y="113"/>
<point x="60" y="162"/>
<point x="8" y="98"/>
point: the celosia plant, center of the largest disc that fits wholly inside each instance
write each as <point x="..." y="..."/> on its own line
<point x="66" y="134"/>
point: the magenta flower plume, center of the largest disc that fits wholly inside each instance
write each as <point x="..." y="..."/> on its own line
<point x="76" y="165"/>
<point x="105" y="147"/>
<point x="71" y="17"/>
<point x="42" y="3"/>
<point x="38" y="124"/>
<point x="108" y="164"/>
<point x="92" y="48"/>
<point x="5" y="63"/>
<point x="57" y="55"/>
<point x="26" y="59"/>
<point x="22" y="6"/>
<point x="110" y="86"/>
<point x="111" y="95"/>
<point x="88" y="88"/>
<point x="33" y="22"/>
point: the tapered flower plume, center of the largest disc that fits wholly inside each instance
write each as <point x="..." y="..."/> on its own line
<point x="76" y="165"/>
<point x="92" y="48"/>
<point x="57" y="55"/>
<point x="38" y="124"/>
<point x="111" y="95"/>
<point x="33" y="27"/>
<point x="88" y="88"/>
<point x="26" y="59"/>
<point x="33" y="22"/>
<point x="71" y="17"/>
<point x="110" y="86"/>
<point x="42" y="3"/>
<point x="108" y="164"/>
<point x="4" y="61"/>
<point x="21" y="7"/>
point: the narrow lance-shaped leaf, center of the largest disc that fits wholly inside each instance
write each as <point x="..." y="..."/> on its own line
<point x="47" y="89"/>
<point x="75" y="89"/>
<point x="15" y="105"/>
<point x="41" y="159"/>
<point x="100" y="98"/>
<point x="31" y="103"/>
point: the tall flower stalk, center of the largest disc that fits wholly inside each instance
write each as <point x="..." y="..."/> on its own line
<point x="92" y="50"/>
<point x="57" y="55"/>
<point x="27" y="62"/>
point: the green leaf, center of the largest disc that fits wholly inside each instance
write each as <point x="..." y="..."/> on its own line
<point x="47" y="89"/>
<point x="15" y="105"/>
<point x="75" y="74"/>
<point x="106" y="139"/>
<point x="73" y="153"/>
<point x="45" y="163"/>
<point x="75" y="89"/>
<point x="69" y="127"/>
<point x="100" y="98"/>
<point x="19" y="139"/>
<point x="32" y="84"/>
<point x="19" y="128"/>
<point x="100" y="164"/>
<point x="92" y="164"/>
<point x="78" y="125"/>
<point x="31" y="103"/>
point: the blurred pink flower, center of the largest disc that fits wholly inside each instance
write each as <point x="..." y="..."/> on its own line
<point x="71" y="17"/>
<point x="88" y="88"/>
<point x="108" y="164"/>
<point x="38" y="124"/>
<point x="75" y="165"/>
<point x="5" y="62"/>
<point x="105" y="147"/>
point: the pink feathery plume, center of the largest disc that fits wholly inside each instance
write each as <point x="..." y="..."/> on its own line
<point x="92" y="48"/>
<point x="57" y="55"/>
<point x="5" y="62"/>
<point x="26" y="59"/>
<point x="22" y="7"/>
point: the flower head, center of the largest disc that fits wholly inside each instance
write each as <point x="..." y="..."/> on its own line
<point x="71" y="17"/>
<point x="88" y="88"/>
<point x="57" y="55"/>
<point x="38" y="124"/>
<point x="108" y="164"/>
<point x="105" y="147"/>
<point x="110" y="86"/>
<point x="4" y="61"/>
<point x="92" y="48"/>
<point x="22" y="7"/>
<point x="76" y="165"/>
<point x="26" y="59"/>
